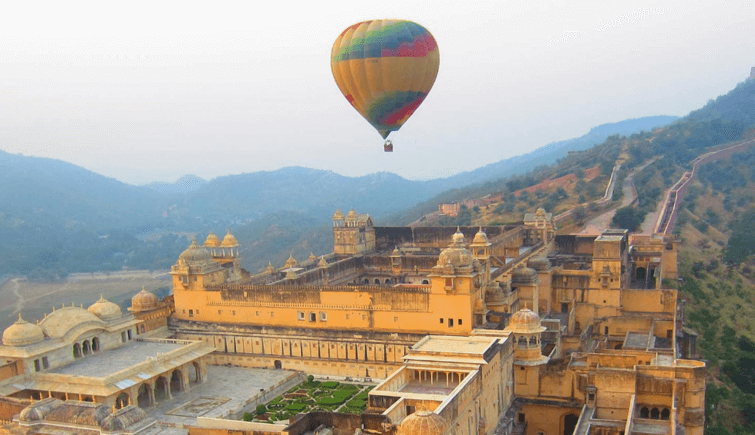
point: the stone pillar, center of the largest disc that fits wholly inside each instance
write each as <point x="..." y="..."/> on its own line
<point x="185" y="375"/>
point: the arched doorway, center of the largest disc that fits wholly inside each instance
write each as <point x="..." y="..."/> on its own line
<point x="95" y="344"/>
<point x="86" y="348"/>
<point x="665" y="414"/>
<point x="195" y="373"/>
<point x="644" y="412"/>
<point x="161" y="389"/>
<point x="655" y="414"/>
<point x="570" y="423"/>
<point x="176" y="381"/>
<point x="278" y="364"/>
<point x="143" y="400"/>
<point x="641" y="273"/>
<point x="121" y="401"/>
<point x="76" y="350"/>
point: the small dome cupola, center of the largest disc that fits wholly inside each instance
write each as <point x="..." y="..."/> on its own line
<point x="194" y="254"/>
<point x="229" y="241"/>
<point x="480" y="238"/>
<point x="523" y="276"/>
<point x="144" y="301"/>
<point x="22" y="333"/>
<point x="106" y="310"/>
<point x="423" y="423"/>
<point x="525" y="321"/>
<point x="291" y="262"/>
<point x="212" y="241"/>
<point x="539" y="263"/>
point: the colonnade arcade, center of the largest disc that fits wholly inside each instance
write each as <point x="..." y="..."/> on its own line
<point x="527" y="341"/>
<point x="144" y="394"/>
<point x="162" y="387"/>
<point x="86" y="347"/>
<point x="439" y="378"/>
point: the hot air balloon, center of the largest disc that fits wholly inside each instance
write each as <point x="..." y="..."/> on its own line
<point x="385" y="69"/>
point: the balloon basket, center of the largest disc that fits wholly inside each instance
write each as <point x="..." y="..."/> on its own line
<point x="388" y="146"/>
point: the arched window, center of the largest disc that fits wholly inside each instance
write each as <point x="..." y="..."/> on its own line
<point x="121" y="401"/>
<point x="86" y="348"/>
<point x="424" y="281"/>
<point x="665" y="414"/>
<point x="95" y="344"/>
<point x="377" y="281"/>
<point x="77" y="350"/>
<point x="655" y="414"/>
<point x="645" y="412"/>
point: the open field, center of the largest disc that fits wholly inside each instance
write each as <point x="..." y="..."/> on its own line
<point x="34" y="299"/>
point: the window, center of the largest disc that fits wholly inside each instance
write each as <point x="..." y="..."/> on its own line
<point x="323" y="316"/>
<point x="300" y="315"/>
<point x="191" y="313"/>
<point x="450" y="323"/>
<point x="441" y="320"/>
<point x="449" y="282"/>
<point x="591" y="397"/>
<point x="45" y="362"/>
<point x="312" y="317"/>
<point x="220" y="312"/>
<point x="233" y="312"/>
<point x="128" y="333"/>
<point x="606" y="330"/>
<point x="257" y="313"/>
<point x="521" y="417"/>
<point x="395" y="319"/>
<point x="36" y="365"/>
<point x="459" y="322"/>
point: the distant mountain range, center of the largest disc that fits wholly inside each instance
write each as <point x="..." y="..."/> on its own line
<point x="47" y="203"/>
<point x="185" y="184"/>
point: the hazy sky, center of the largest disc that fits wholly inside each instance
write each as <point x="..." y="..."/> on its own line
<point x="144" y="91"/>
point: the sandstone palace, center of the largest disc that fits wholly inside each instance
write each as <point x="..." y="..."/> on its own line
<point x="470" y="331"/>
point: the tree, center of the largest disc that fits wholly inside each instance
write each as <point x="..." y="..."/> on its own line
<point x="579" y="214"/>
<point x="628" y="218"/>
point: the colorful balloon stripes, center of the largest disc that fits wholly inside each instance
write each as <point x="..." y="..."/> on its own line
<point x="385" y="69"/>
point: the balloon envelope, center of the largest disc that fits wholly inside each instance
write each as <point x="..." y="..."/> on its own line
<point x="385" y="69"/>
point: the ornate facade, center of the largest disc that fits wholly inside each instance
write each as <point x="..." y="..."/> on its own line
<point x="494" y="330"/>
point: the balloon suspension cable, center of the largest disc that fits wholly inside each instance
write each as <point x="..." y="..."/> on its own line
<point x="388" y="146"/>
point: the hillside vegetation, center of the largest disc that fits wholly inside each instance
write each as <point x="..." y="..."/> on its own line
<point x="717" y="229"/>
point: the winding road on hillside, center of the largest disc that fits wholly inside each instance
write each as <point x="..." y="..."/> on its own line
<point x="599" y="223"/>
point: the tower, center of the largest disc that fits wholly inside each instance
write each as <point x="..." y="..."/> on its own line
<point x="353" y="234"/>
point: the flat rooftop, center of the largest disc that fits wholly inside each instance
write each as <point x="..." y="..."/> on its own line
<point x="108" y="362"/>
<point x="454" y="345"/>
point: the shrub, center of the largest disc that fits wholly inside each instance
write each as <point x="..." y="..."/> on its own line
<point x="296" y="407"/>
<point x="330" y="384"/>
<point x="310" y="378"/>
<point x="247" y="417"/>
<point x="261" y="409"/>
